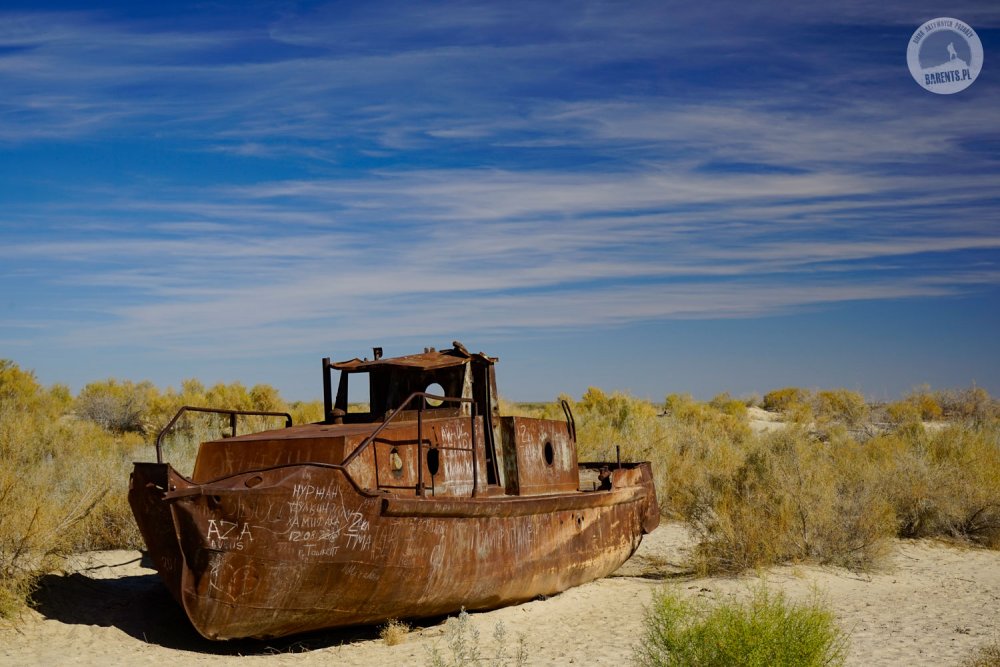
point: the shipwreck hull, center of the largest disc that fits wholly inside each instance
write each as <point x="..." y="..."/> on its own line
<point x="301" y="547"/>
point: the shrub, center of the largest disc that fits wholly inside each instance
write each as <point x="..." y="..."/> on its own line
<point x="902" y="413"/>
<point x="926" y="403"/>
<point x="781" y="400"/>
<point x="944" y="484"/>
<point x="608" y="423"/>
<point x="63" y="483"/>
<point x="987" y="655"/>
<point x="973" y="405"/>
<point x="903" y="418"/>
<point x="306" y="412"/>
<point x="393" y="632"/>
<point x="36" y="530"/>
<point x="789" y="497"/>
<point x="841" y="405"/>
<point x="464" y="648"/>
<point x="728" y="405"/>
<point x="765" y="631"/>
<point x="119" y="407"/>
<point x="967" y="485"/>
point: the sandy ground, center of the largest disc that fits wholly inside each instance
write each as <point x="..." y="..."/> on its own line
<point x="932" y="605"/>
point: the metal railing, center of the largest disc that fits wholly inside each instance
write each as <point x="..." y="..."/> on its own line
<point x="419" y="487"/>
<point x="233" y="414"/>
<point x="570" y="422"/>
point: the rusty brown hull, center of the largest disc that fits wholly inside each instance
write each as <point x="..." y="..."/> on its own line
<point x="301" y="547"/>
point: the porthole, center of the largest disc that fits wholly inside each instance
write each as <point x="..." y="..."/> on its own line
<point x="433" y="461"/>
<point x="395" y="460"/>
<point x="436" y="389"/>
<point x="550" y="454"/>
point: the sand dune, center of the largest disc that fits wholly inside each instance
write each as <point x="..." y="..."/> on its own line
<point x="932" y="605"/>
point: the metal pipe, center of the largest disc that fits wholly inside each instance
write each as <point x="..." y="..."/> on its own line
<point x="327" y="392"/>
<point x="475" y="459"/>
<point x="420" y="451"/>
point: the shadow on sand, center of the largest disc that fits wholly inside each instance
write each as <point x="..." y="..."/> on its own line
<point x="140" y="606"/>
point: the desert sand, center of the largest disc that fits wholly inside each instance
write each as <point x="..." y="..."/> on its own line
<point x="932" y="604"/>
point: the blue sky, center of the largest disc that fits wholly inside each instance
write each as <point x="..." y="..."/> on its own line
<point x="644" y="196"/>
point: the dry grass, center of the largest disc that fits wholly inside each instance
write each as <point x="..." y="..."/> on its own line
<point x="823" y="488"/>
<point x="987" y="655"/>
<point x="65" y="463"/>
<point x="393" y="632"/>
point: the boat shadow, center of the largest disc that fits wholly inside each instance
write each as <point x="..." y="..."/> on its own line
<point x="141" y="607"/>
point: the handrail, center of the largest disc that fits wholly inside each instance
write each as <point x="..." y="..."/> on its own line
<point x="570" y="422"/>
<point x="232" y="421"/>
<point x="420" y="437"/>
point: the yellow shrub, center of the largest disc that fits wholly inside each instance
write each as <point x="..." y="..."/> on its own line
<point x="780" y="400"/>
<point x="841" y="405"/>
<point x="926" y="403"/>
<point x="791" y="498"/>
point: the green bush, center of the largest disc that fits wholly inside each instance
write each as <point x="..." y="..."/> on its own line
<point x="765" y="631"/>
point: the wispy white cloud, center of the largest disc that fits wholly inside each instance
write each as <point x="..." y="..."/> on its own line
<point x="464" y="169"/>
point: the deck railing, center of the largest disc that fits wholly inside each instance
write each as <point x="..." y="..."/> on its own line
<point x="233" y="414"/>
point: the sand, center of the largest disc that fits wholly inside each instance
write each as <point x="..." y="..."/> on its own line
<point x="932" y="604"/>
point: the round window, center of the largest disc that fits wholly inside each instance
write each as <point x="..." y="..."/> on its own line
<point x="436" y="389"/>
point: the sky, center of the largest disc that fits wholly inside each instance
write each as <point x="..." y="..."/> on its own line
<point x="650" y="197"/>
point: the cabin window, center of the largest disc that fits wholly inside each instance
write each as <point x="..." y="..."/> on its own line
<point x="436" y="389"/>
<point x="433" y="461"/>
<point x="550" y="454"/>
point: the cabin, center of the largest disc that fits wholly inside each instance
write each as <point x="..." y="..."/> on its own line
<point x="433" y="429"/>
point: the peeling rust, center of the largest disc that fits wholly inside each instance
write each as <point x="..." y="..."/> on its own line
<point x="420" y="507"/>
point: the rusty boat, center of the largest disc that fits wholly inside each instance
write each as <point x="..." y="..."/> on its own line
<point x="429" y="502"/>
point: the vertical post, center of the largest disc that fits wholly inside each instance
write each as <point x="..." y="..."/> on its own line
<point x="232" y="424"/>
<point x="420" y="450"/>
<point x="475" y="454"/>
<point x="327" y="392"/>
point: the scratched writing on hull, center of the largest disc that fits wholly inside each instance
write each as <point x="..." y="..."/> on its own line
<point x="321" y="525"/>
<point x="222" y="534"/>
<point x="309" y="491"/>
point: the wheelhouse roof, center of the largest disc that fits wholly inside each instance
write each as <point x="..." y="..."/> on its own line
<point x="428" y="360"/>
